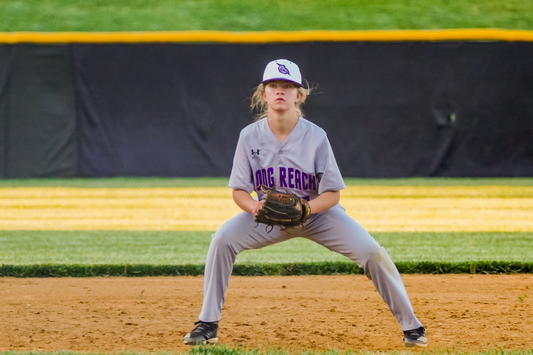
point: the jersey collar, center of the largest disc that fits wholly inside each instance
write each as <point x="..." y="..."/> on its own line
<point x="294" y="137"/>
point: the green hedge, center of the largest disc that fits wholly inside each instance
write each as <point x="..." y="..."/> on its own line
<point x="323" y="268"/>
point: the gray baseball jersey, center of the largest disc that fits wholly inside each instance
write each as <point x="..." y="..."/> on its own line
<point x="304" y="165"/>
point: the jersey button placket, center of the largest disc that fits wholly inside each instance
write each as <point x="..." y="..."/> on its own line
<point x="279" y="162"/>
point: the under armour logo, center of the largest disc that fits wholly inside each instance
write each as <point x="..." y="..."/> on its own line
<point x="283" y="69"/>
<point x="255" y="153"/>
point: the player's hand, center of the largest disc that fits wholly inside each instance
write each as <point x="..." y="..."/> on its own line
<point x="257" y="207"/>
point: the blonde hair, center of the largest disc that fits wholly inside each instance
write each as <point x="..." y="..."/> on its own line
<point x="258" y="102"/>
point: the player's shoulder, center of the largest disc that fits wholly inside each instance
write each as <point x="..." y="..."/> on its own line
<point x="254" y="127"/>
<point x="313" y="129"/>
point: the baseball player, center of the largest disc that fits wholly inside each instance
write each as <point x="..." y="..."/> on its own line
<point x="285" y="150"/>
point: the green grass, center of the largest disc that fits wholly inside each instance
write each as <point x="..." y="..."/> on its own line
<point x="251" y="15"/>
<point x="223" y="182"/>
<point x="284" y="269"/>
<point x="182" y="248"/>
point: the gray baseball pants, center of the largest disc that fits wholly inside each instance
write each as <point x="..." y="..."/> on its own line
<point x="333" y="229"/>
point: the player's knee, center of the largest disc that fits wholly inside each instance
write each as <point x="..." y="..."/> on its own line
<point x="222" y="239"/>
<point x="379" y="259"/>
<point x="374" y="253"/>
<point x="219" y="239"/>
<point x="379" y="255"/>
<point x="372" y="258"/>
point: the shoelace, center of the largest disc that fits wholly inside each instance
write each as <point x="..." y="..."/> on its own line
<point x="202" y="327"/>
<point x="415" y="332"/>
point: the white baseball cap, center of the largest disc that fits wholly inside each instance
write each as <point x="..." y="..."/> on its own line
<point x="282" y="69"/>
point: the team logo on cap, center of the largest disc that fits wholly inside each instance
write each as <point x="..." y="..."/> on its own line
<point x="283" y="69"/>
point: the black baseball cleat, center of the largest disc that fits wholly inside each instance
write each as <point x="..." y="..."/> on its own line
<point x="204" y="333"/>
<point x="415" y="337"/>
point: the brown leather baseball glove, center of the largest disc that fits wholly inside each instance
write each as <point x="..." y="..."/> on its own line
<point x="281" y="209"/>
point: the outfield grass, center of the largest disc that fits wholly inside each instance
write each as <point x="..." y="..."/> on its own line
<point x="418" y="221"/>
<point x="247" y="15"/>
<point x="377" y="208"/>
<point x="181" y="248"/>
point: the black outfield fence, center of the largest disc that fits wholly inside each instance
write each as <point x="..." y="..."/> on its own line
<point x="390" y="108"/>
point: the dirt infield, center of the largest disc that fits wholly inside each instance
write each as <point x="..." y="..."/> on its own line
<point x="460" y="312"/>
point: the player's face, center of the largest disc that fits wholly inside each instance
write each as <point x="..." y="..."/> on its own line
<point x="281" y="95"/>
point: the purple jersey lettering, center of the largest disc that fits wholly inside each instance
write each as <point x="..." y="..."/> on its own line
<point x="291" y="177"/>
<point x="297" y="181"/>
<point x="264" y="177"/>
<point x="282" y="177"/>
<point x="271" y="181"/>
<point x="258" y="180"/>
<point x="288" y="177"/>
<point x="312" y="182"/>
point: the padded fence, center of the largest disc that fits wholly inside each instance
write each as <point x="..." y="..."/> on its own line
<point x="391" y="109"/>
<point x="37" y="112"/>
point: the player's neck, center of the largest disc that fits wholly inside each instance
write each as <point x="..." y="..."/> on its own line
<point x="282" y="123"/>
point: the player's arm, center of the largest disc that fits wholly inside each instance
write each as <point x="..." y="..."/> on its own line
<point x="324" y="201"/>
<point x="246" y="202"/>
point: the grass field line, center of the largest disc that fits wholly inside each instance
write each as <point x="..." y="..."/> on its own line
<point x="26" y="247"/>
<point x="270" y="269"/>
<point x="377" y="208"/>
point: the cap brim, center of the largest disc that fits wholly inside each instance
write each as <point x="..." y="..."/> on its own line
<point x="284" y="79"/>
